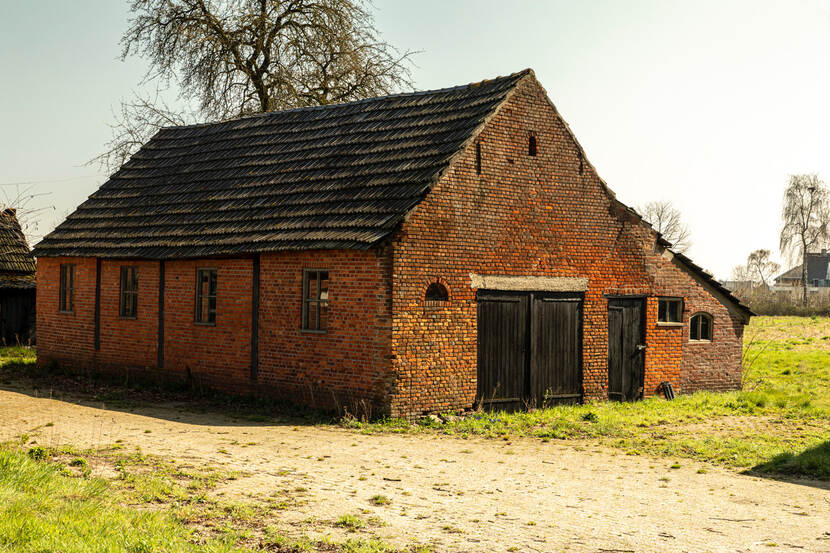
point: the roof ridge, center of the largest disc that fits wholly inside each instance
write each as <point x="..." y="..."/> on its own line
<point x="501" y="78"/>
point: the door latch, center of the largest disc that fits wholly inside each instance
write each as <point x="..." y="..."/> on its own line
<point x="641" y="347"/>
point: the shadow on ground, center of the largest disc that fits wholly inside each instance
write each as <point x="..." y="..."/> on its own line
<point x="787" y="466"/>
<point x="181" y="402"/>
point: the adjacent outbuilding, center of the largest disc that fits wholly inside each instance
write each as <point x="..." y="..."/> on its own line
<point x="17" y="283"/>
<point x="399" y="255"/>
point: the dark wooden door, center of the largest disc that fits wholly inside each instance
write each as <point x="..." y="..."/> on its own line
<point x="626" y="348"/>
<point x="502" y="350"/>
<point x="529" y="349"/>
<point x="556" y="350"/>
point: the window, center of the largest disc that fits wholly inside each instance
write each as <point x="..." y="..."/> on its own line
<point x="436" y="295"/>
<point x="478" y="158"/>
<point x="315" y="300"/>
<point x="531" y="146"/>
<point x="700" y="328"/>
<point x="128" y="301"/>
<point x="67" y="289"/>
<point x="206" y="296"/>
<point x="669" y="310"/>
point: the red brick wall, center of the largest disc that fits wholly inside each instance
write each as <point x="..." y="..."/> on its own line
<point x="350" y="362"/>
<point x="66" y="338"/>
<point x="347" y="364"/>
<point x="128" y="340"/>
<point x="536" y="216"/>
<point x="216" y="356"/>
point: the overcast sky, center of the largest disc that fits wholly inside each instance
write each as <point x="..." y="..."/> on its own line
<point x="710" y="105"/>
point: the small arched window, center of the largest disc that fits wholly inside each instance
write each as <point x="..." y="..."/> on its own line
<point x="531" y="146"/>
<point x="436" y="295"/>
<point x="700" y="329"/>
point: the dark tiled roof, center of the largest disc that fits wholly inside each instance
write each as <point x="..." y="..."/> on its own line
<point x="817" y="264"/>
<point x="339" y="176"/>
<point x="14" y="250"/>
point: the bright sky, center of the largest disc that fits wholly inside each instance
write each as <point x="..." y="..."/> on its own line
<point x="710" y="105"/>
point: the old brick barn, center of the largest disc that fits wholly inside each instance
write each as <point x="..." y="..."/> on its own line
<point x="414" y="253"/>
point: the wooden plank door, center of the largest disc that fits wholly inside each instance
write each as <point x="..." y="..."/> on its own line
<point x="502" y="350"/>
<point x="626" y="348"/>
<point x="556" y="349"/>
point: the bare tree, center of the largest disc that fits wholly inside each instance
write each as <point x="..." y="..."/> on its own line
<point x="20" y="198"/>
<point x="740" y="273"/>
<point x="232" y="57"/>
<point x="666" y="219"/>
<point x="806" y="218"/>
<point x="760" y="268"/>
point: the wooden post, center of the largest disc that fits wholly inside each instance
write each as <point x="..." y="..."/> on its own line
<point x="160" y="348"/>
<point x="97" y="331"/>
<point x="255" y="320"/>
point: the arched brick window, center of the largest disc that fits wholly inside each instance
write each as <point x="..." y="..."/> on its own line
<point x="436" y="295"/>
<point x="700" y="327"/>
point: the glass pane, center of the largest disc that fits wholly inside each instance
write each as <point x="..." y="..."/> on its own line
<point x="324" y="316"/>
<point x="693" y="329"/>
<point x="211" y="309"/>
<point x="324" y="286"/>
<point x="312" y="316"/>
<point x="62" y="291"/>
<point x="705" y="329"/>
<point x="311" y="285"/>
<point x="674" y="311"/>
<point x="213" y="279"/>
<point x="661" y="310"/>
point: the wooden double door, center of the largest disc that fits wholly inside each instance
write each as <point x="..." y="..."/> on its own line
<point x="626" y="348"/>
<point x="529" y="349"/>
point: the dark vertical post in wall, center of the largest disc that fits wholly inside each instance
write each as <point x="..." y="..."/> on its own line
<point x="97" y="315"/>
<point x="255" y="320"/>
<point x="160" y="349"/>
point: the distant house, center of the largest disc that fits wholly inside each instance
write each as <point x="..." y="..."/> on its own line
<point x="419" y="252"/>
<point x="17" y="283"/>
<point x="818" y="272"/>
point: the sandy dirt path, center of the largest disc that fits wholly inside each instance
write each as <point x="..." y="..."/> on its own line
<point x="472" y="495"/>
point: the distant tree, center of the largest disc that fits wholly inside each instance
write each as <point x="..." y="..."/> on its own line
<point x="760" y="268"/>
<point x="740" y="274"/>
<point x="666" y="219"/>
<point x="233" y="57"/>
<point x="806" y="218"/>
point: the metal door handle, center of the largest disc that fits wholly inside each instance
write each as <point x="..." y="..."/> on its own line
<point x="641" y="347"/>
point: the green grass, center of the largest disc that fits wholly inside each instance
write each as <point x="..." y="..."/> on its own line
<point x="777" y="423"/>
<point x="42" y="509"/>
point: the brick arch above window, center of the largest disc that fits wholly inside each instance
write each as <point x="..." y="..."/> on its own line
<point x="436" y="295"/>
<point x="701" y="327"/>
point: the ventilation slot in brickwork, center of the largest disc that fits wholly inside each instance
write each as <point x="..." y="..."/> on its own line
<point x="531" y="146"/>
<point x="478" y="158"/>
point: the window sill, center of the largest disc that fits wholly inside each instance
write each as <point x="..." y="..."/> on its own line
<point x="199" y="323"/>
<point x="669" y="325"/>
<point x="312" y="331"/>
<point x="125" y="318"/>
<point x="66" y="312"/>
<point x="700" y="341"/>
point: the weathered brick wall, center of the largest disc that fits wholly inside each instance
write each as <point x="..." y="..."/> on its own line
<point x="347" y="367"/>
<point x="546" y="215"/>
<point x="350" y="362"/>
<point x="132" y="341"/>
<point x="216" y="356"/>
<point x="66" y="338"/>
